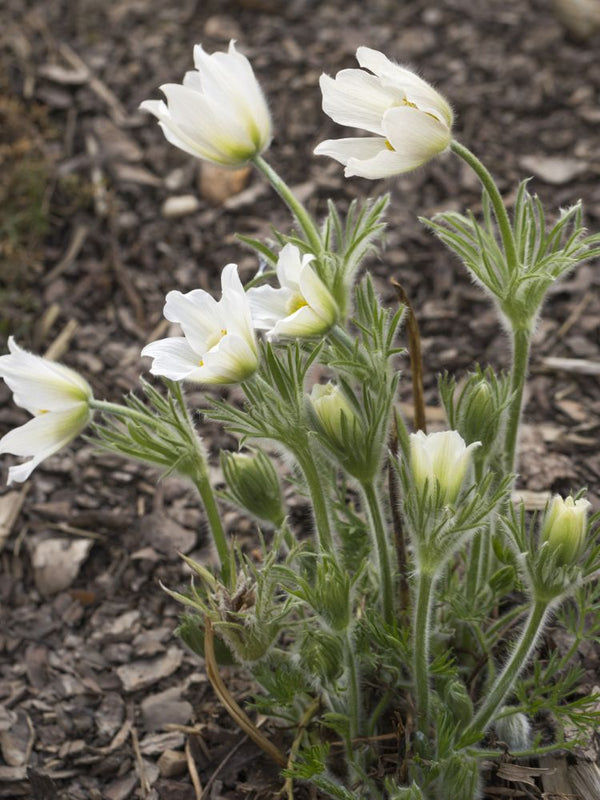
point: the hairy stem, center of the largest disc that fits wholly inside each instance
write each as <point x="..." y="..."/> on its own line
<point x="421" y="633"/>
<point x="497" y="694"/>
<point x="508" y="239"/>
<point x="319" y="502"/>
<point x="202" y="483"/>
<point x="289" y="198"/>
<point x="520" y="360"/>
<point x="383" y="554"/>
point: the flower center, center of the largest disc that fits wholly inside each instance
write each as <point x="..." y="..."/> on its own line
<point x="295" y="302"/>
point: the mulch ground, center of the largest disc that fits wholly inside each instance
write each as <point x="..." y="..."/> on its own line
<point x="101" y="217"/>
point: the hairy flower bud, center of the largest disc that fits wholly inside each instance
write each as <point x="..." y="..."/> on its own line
<point x="514" y="729"/>
<point x="564" y="527"/>
<point x="253" y="484"/>
<point x="333" y="411"/>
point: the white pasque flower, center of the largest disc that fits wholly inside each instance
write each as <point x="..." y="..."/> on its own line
<point x="218" y="345"/>
<point x="411" y="121"/>
<point x="440" y="458"/>
<point x="303" y="306"/>
<point x="58" y="398"/>
<point x="218" y="113"/>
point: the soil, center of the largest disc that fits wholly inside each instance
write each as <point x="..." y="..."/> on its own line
<point x="98" y="698"/>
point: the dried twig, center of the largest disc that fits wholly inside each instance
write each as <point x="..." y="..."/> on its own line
<point x="232" y="708"/>
<point x="416" y="359"/>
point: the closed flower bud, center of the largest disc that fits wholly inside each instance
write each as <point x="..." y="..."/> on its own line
<point x="458" y="701"/>
<point x="515" y="730"/>
<point x="253" y="484"/>
<point x="441" y="461"/>
<point x="333" y="411"/>
<point x="564" y="528"/>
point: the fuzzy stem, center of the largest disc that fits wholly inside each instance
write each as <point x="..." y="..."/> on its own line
<point x="421" y="632"/>
<point x="289" y="198"/>
<point x="520" y="360"/>
<point x="504" y="682"/>
<point x="381" y="543"/>
<point x="118" y="411"/>
<point x="202" y="483"/>
<point x="508" y="239"/>
<point x="319" y="503"/>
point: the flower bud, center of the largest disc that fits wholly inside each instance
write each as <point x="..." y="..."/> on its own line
<point x="458" y="701"/>
<point x="564" y="528"/>
<point x="515" y="730"/>
<point x="333" y="411"/>
<point x="440" y="460"/>
<point x="253" y="484"/>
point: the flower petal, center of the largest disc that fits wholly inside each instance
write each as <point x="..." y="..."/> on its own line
<point x="39" y="384"/>
<point x="414" y="86"/>
<point x="268" y="305"/>
<point x="303" y="322"/>
<point x="173" y="358"/>
<point x="235" y="306"/>
<point x="199" y="315"/>
<point x="317" y="295"/>
<point x="42" y="436"/>
<point x="232" y="360"/>
<point x="357" y="99"/>
<point x="415" y="136"/>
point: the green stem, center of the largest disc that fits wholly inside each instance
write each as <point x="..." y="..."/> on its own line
<point x="506" y="232"/>
<point x="319" y="503"/>
<point x="421" y="633"/>
<point x="118" y="411"/>
<point x="289" y="198"/>
<point x="520" y="359"/>
<point x="202" y="483"/>
<point x="504" y="682"/>
<point x="354" y="705"/>
<point x="383" y="554"/>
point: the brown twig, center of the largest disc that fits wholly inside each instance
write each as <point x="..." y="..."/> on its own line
<point x="192" y="769"/>
<point x="232" y="708"/>
<point x="416" y="359"/>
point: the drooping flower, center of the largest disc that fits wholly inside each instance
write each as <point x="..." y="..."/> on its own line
<point x="441" y="459"/>
<point x="57" y="396"/>
<point x="218" y="345"/>
<point x="302" y="306"/>
<point x="219" y="112"/>
<point x="411" y="121"/>
<point x="564" y="527"/>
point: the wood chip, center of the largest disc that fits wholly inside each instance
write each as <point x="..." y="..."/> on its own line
<point x="141" y="674"/>
<point x="16" y="742"/>
<point x="180" y="206"/>
<point x="579" y="366"/>
<point x="554" y="169"/>
<point x="56" y="563"/>
<point x="10" y="508"/>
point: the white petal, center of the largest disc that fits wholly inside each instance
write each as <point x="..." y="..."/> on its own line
<point x="232" y="360"/>
<point x="303" y="322"/>
<point x="414" y="86"/>
<point x="268" y="305"/>
<point x="208" y="123"/>
<point x="173" y="358"/>
<point x="199" y="315"/>
<point x="235" y="306"/>
<point x="40" y="384"/>
<point x="362" y="149"/>
<point x="289" y="267"/>
<point x="317" y="295"/>
<point x="415" y="136"/>
<point x="42" y="436"/>
<point x="200" y="148"/>
<point x="357" y="99"/>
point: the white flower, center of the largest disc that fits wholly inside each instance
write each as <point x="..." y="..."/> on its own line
<point x="564" y="527"/>
<point x="218" y="345"/>
<point x="57" y="397"/>
<point x="412" y="122"/>
<point x="303" y="306"/>
<point x="219" y="113"/>
<point x="440" y="458"/>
